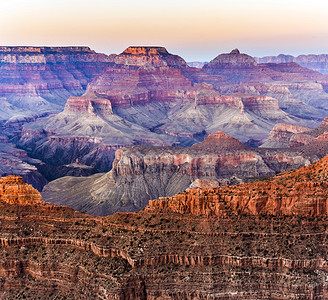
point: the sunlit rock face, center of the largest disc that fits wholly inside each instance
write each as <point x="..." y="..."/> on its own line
<point x="13" y="190"/>
<point x="250" y="241"/>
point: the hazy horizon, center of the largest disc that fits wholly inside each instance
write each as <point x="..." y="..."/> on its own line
<point x="196" y="31"/>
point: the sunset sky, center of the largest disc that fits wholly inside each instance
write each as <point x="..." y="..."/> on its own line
<point x="196" y="30"/>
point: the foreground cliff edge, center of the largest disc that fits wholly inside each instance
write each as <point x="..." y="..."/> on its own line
<point x="261" y="240"/>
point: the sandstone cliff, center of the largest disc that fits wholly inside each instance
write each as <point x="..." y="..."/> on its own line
<point x="295" y="193"/>
<point x="288" y="135"/>
<point x="13" y="190"/>
<point x="245" y="251"/>
<point x="45" y="77"/>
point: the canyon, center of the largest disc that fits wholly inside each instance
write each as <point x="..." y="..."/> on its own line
<point x="148" y="96"/>
<point x="259" y="240"/>
<point x="138" y="176"/>
<point x="316" y="62"/>
<point x="142" y="173"/>
<point x="137" y="120"/>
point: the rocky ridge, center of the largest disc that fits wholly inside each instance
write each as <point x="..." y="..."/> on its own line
<point x="202" y="251"/>
<point x="295" y="193"/>
<point x="45" y="77"/>
<point x="287" y="135"/>
<point x="316" y="62"/>
<point x="13" y="190"/>
<point x="141" y="173"/>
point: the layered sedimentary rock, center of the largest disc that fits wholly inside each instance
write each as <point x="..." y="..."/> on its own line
<point x="148" y="96"/>
<point x="142" y="55"/>
<point x="16" y="161"/>
<point x="295" y="193"/>
<point x="250" y="243"/>
<point x="287" y="135"/>
<point x="13" y="190"/>
<point x="316" y="62"/>
<point x="41" y="79"/>
<point x="141" y="173"/>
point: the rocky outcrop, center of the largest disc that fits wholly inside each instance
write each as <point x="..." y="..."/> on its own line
<point x="231" y="60"/>
<point x="185" y="249"/>
<point x="141" y="173"/>
<point x="287" y="135"/>
<point x="300" y="193"/>
<point x="16" y="161"/>
<point x="156" y="56"/>
<point x="13" y="190"/>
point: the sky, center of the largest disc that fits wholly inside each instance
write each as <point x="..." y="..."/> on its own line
<point x="196" y="30"/>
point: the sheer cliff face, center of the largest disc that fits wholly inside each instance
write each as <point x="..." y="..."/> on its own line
<point x="141" y="173"/>
<point x="295" y="193"/>
<point x="13" y="190"/>
<point x="152" y="97"/>
<point x="248" y="245"/>
<point x="45" y="77"/>
<point x="156" y="56"/>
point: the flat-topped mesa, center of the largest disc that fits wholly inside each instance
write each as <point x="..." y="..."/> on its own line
<point x="47" y="50"/>
<point x="13" y="190"/>
<point x="220" y="142"/>
<point x="141" y="50"/>
<point x="234" y="59"/>
<point x="90" y="104"/>
<point x="143" y="55"/>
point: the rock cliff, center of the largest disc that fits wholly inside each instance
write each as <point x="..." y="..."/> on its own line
<point x="13" y="190"/>
<point x="45" y="77"/>
<point x="185" y="249"/>
<point x="295" y="193"/>
<point x="141" y="173"/>
<point x="287" y="135"/>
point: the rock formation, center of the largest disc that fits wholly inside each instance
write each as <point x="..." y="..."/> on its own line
<point x="44" y="77"/>
<point x="287" y="135"/>
<point x="316" y="62"/>
<point x="147" y="96"/>
<point x="141" y="173"/>
<point x="242" y="242"/>
<point x="13" y="190"/>
<point x="152" y="97"/>
<point x="142" y="55"/>
<point x="294" y="193"/>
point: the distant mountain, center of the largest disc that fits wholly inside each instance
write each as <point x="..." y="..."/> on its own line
<point x="316" y="62"/>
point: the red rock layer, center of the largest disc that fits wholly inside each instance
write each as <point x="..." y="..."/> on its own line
<point x="13" y="190"/>
<point x="156" y="56"/>
<point x="53" y="252"/>
<point x="90" y="105"/>
<point x="301" y="192"/>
